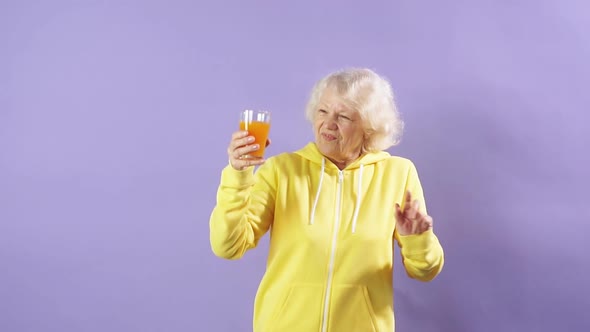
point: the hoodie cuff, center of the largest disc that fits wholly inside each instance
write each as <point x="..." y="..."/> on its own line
<point x="232" y="177"/>
<point x="417" y="244"/>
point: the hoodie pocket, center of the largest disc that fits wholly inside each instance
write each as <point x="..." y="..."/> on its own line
<point x="299" y="310"/>
<point x="351" y="309"/>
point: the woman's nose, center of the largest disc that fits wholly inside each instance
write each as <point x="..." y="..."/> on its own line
<point x="331" y="124"/>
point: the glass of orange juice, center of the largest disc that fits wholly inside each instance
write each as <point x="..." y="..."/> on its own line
<point x="257" y="123"/>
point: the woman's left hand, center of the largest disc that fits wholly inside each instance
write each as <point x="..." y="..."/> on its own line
<point x="410" y="220"/>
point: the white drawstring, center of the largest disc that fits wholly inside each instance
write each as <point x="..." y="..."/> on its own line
<point x="358" y="196"/>
<point x="317" y="195"/>
<point x="358" y="199"/>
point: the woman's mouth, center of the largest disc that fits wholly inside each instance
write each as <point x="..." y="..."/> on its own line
<point x="328" y="137"/>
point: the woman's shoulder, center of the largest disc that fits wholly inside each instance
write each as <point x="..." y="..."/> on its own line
<point x="395" y="161"/>
<point x="285" y="158"/>
<point x="399" y="159"/>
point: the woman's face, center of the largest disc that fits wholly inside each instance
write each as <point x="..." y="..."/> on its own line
<point x="338" y="130"/>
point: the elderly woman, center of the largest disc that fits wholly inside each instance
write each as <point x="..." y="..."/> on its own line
<point x="334" y="209"/>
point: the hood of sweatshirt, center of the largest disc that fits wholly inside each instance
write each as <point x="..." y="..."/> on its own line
<point x="313" y="154"/>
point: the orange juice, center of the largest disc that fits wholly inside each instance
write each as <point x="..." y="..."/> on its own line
<point x="260" y="132"/>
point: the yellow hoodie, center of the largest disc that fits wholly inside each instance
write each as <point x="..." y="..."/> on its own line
<point x="330" y="259"/>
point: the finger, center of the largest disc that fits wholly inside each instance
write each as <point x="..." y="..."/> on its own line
<point x="424" y="223"/>
<point x="429" y="222"/>
<point x="398" y="213"/>
<point x="412" y="210"/>
<point x="408" y="199"/>
<point x="238" y="139"/>
<point x="242" y="164"/>
<point x="242" y="151"/>
<point x="407" y="202"/>
<point x="240" y="142"/>
<point x="239" y="134"/>
<point x="416" y="206"/>
<point x="421" y="218"/>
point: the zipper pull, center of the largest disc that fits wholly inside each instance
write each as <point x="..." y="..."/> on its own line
<point x="340" y="176"/>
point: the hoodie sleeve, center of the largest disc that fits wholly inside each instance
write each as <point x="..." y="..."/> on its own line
<point x="244" y="210"/>
<point x="422" y="254"/>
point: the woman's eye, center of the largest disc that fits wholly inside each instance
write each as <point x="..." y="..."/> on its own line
<point x="344" y="117"/>
<point x="322" y="111"/>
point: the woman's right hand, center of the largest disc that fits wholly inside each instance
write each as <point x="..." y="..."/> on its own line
<point x="239" y="147"/>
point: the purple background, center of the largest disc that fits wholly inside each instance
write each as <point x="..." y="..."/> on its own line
<point x="115" y="117"/>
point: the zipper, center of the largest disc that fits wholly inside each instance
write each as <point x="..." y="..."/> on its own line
<point x="332" y="252"/>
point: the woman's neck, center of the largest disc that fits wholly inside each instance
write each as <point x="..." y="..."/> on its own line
<point x="342" y="164"/>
